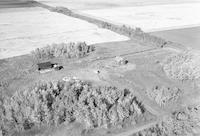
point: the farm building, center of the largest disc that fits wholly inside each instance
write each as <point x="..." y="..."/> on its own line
<point x="45" y="65"/>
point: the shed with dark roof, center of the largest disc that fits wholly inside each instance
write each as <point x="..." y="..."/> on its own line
<point x="45" y="65"/>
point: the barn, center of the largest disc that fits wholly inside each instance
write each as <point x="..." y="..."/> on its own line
<point x="45" y="65"/>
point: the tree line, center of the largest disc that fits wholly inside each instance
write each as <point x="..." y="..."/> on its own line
<point x="133" y="33"/>
<point x="68" y="50"/>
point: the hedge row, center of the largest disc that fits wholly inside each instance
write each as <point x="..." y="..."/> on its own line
<point x="133" y="33"/>
<point x="68" y="50"/>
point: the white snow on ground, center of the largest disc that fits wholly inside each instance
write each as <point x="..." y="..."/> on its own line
<point x="100" y="4"/>
<point x="153" y="17"/>
<point x="23" y="30"/>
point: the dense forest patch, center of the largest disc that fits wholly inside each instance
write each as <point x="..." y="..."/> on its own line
<point x="57" y="102"/>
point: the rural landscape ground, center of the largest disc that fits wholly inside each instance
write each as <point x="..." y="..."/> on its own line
<point x="118" y="68"/>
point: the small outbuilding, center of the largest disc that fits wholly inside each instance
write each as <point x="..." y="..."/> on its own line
<point x="121" y="61"/>
<point x="57" y="68"/>
<point x="45" y="65"/>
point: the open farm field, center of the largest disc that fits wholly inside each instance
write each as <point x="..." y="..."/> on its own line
<point x="189" y="37"/>
<point x="105" y="4"/>
<point x="152" y="17"/>
<point x="24" y="29"/>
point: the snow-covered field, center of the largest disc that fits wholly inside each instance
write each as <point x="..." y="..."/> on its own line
<point x="101" y="4"/>
<point x="22" y="30"/>
<point x="152" y="17"/>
